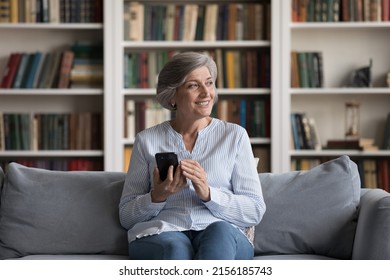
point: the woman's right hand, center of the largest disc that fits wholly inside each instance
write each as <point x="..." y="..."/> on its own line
<point x="172" y="184"/>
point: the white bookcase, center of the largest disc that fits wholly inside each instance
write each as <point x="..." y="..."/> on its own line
<point x="345" y="46"/>
<point x="47" y="37"/>
<point x="116" y="140"/>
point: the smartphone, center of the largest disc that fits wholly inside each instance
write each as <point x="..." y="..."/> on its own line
<point x="164" y="160"/>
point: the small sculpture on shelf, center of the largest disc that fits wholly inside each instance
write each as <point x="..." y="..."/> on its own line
<point x="361" y="77"/>
<point x="352" y="119"/>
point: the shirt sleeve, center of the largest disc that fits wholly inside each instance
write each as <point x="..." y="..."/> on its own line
<point x="136" y="196"/>
<point x="243" y="204"/>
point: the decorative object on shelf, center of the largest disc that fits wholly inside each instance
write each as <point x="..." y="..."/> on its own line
<point x="352" y="119"/>
<point x="388" y="79"/>
<point x="361" y="77"/>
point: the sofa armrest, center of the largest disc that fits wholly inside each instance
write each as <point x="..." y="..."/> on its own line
<point x="372" y="238"/>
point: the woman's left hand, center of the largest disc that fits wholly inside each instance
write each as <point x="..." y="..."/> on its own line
<point x="193" y="171"/>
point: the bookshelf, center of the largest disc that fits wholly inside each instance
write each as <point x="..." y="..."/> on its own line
<point x="26" y="35"/>
<point x="123" y="46"/>
<point x="345" y="46"/>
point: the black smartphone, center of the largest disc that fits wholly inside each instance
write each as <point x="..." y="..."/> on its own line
<point x="164" y="160"/>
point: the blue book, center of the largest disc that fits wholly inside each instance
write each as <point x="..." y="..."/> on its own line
<point x="36" y="57"/>
<point x="21" y="69"/>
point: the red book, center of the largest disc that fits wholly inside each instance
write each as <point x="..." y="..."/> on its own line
<point x="10" y="70"/>
<point x="66" y="67"/>
<point x="384" y="175"/>
<point x="385" y="10"/>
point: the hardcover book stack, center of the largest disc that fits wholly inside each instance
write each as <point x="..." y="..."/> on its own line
<point x="87" y="70"/>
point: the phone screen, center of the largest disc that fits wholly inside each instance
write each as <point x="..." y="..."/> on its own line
<point x="164" y="160"/>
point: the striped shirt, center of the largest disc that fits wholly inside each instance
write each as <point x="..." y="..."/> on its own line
<point x="224" y="151"/>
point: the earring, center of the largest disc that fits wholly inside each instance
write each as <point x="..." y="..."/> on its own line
<point x="173" y="106"/>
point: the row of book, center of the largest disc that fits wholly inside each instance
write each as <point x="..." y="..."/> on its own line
<point x="55" y="131"/>
<point x="253" y="114"/>
<point x="79" y="66"/>
<point x="246" y="68"/>
<point x="374" y="173"/>
<point x="73" y="164"/>
<point x="305" y="136"/>
<point x="307" y="70"/>
<point x="51" y="11"/>
<point x="141" y="114"/>
<point x="340" y="10"/>
<point x="304" y="132"/>
<point x="190" y="22"/>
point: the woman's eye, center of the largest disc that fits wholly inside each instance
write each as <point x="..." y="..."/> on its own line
<point x="192" y="86"/>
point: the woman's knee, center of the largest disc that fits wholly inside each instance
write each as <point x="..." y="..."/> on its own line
<point x="165" y="246"/>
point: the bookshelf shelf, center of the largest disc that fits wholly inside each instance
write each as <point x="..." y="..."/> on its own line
<point x="48" y="26"/>
<point x="194" y="44"/>
<point x="336" y="153"/>
<point x="221" y="92"/>
<point x="339" y="91"/>
<point x="339" y="25"/>
<point x="50" y="154"/>
<point x="51" y="92"/>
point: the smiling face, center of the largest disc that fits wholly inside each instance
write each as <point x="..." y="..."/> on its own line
<point x="195" y="98"/>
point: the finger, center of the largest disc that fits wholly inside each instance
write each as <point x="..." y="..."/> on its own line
<point x="156" y="175"/>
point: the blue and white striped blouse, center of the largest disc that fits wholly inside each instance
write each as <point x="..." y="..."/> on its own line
<point x="224" y="151"/>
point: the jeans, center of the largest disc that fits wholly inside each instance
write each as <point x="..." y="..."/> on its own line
<point x="219" y="241"/>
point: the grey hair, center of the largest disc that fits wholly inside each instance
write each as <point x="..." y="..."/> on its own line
<point x="175" y="71"/>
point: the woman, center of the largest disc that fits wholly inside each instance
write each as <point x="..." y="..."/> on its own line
<point x="204" y="209"/>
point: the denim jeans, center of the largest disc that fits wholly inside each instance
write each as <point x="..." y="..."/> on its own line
<point x="219" y="241"/>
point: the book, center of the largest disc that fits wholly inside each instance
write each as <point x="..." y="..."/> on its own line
<point x="32" y="70"/>
<point x="190" y="20"/>
<point x="10" y="70"/>
<point x="38" y="72"/>
<point x="130" y="122"/>
<point x="21" y="71"/>
<point x="210" y="25"/>
<point x="384" y="174"/>
<point x="5" y="11"/>
<point x="136" y="26"/>
<point x="52" y="75"/>
<point x="127" y="156"/>
<point x="386" y="134"/>
<point x="65" y="69"/>
<point x="351" y="144"/>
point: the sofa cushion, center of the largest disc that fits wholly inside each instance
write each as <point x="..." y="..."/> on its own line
<point x="310" y="212"/>
<point x="59" y="212"/>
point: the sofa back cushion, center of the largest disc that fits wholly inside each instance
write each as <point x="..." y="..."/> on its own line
<point x="310" y="212"/>
<point x="58" y="212"/>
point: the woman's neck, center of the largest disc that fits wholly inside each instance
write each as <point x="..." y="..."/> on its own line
<point x="190" y="130"/>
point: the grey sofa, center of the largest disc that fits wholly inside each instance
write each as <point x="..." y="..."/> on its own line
<point x="318" y="214"/>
